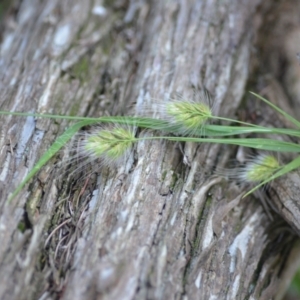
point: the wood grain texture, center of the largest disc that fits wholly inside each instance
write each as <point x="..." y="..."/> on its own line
<point x="162" y="226"/>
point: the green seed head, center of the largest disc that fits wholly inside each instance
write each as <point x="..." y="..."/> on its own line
<point x="110" y="144"/>
<point x="261" y="168"/>
<point x="191" y="115"/>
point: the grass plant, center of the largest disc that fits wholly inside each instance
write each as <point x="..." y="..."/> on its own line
<point x="186" y="121"/>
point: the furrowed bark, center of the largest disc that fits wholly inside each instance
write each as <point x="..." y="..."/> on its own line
<point x="163" y="226"/>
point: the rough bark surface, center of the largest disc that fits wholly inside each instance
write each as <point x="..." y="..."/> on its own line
<point x="162" y="226"/>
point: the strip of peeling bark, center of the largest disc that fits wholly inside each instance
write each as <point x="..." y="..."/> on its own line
<point x="157" y="227"/>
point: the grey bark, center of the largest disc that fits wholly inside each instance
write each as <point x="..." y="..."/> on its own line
<point x="163" y="226"/>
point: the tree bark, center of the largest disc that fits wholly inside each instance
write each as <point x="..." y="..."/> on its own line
<point x="163" y="226"/>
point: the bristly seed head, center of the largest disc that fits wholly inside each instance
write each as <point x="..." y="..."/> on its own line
<point x="110" y="144"/>
<point x="260" y="168"/>
<point x="191" y="115"/>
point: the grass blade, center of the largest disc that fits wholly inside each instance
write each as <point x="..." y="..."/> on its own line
<point x="142" y="122"/>
<point x="286" y="115"/>
<point x="223" y="130"/>
<point x="256" y="143"/>
<point x="55" y="147"/>
<point x="157" y="124"/>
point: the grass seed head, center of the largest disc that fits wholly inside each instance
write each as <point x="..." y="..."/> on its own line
<point x="191" y="115"/>
<point x="260" y="168"/>
<point x="111" y="144"/>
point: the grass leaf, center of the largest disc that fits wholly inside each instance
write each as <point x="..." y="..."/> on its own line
<point x="223" y="130"/>
<point x="55" y="147"/>
<point x="256" y="143"/>
<point x="286" y="115"/>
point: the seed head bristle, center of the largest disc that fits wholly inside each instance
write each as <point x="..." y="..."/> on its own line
<point x="191" y="115"/>
<point x="260" y="168"/>
<point x="253" y="170"/>
<point x="110" y="144"/>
